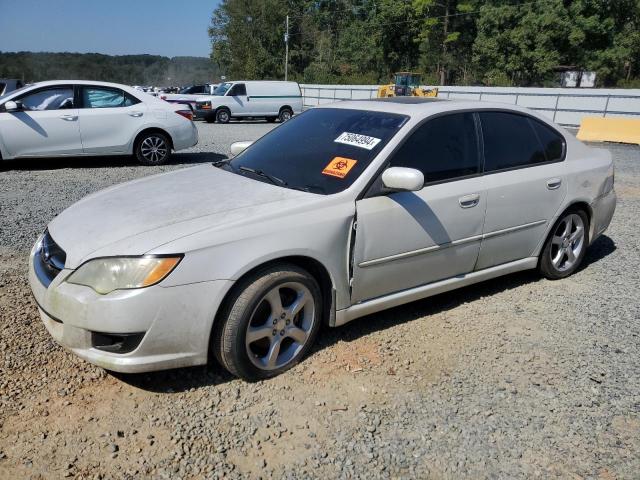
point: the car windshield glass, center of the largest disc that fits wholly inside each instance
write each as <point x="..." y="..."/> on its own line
<point x="185" y="90"/>
<point x="222" y="89"/>
<point x="323" y="150"/>
<point x="12" y="92"/>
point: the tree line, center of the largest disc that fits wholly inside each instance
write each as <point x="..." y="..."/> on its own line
<point x="127" y="69"/>
<point x="465" y="42"/>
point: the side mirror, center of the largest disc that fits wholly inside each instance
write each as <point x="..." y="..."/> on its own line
<point x="238" y="147"/>
<point x="12" y="106"/>
<point x="403" y="179"/>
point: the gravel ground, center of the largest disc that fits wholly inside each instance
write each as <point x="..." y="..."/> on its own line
<point x="515" y="377"/>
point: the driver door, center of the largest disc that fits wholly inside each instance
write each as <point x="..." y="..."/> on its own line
<point x="408" y="239"/>
<point x="241" y="104"/>
<point x="47" y="125"/>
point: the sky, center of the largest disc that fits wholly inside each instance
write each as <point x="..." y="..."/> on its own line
<point x="115" y="27"/>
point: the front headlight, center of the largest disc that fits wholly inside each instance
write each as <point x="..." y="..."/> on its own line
<point x="105" y="275"/>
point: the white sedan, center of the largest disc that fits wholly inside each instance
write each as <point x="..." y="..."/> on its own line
<point x="78" y="118"/>
<point x="343" y="211"/>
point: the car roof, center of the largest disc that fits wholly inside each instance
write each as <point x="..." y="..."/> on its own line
<point x="53" y="83"/>
<point x="421" y="107"/>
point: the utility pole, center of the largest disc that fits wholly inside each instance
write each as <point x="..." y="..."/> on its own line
<point x="286" y="51"/>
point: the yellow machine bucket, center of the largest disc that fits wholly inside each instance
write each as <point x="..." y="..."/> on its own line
<point x="610" y="129"/>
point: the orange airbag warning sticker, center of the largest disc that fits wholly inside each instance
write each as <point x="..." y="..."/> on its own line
<point x="339" y="167"/>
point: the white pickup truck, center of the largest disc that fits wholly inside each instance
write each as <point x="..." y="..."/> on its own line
<point x="189" y="95"/>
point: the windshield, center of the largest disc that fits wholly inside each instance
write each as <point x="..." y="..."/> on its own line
<point x="12" y="92"/>
<point x="323" y="150"/>
<point x="222" y="89"/>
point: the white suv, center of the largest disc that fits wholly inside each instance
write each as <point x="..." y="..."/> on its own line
<point x="75" y="118"/>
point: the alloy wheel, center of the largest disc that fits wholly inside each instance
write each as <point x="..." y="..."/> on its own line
<point x="567" y="242"/>
<point x="280" y="326"/>
<point x="153" y="149"/>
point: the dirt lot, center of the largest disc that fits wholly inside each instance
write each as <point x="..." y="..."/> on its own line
<point x="515" y="377"/>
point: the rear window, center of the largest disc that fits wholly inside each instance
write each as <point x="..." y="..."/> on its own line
<point x="552" y="142"/>
<point x="509" y="141"/>
<point x="323" y="150"/>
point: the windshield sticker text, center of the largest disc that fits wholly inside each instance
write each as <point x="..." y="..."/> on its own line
<point x="339" y="167"/>
<point x="357" y="140"/>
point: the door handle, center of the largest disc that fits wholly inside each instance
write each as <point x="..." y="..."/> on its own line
<point x="69" y="118"/>
<point x="469" y="201"/>
<point x="554" y="183"/>
<point x="135" y="114"/>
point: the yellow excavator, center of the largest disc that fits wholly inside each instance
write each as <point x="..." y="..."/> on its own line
<point x="407" y="84"/>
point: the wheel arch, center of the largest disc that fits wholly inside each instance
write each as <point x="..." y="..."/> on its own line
<point x="310" y="264"/>
<point x="579" y="204"/>
<point x="150" y="130"/>
<point x="222" y="107"/>
<point x="586" y="208"/>
<point x="287" y="107"/>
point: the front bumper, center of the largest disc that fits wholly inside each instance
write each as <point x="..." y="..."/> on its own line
<point x="176" y="321"/>
<point x="200" y="113"/>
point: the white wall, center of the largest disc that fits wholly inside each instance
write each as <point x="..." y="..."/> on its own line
<point x="566" y="106"/>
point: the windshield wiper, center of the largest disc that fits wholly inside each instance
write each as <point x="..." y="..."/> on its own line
<point x="260" y="173"/>
<point x="219" y="163"/>
<point x="308" y="188"/>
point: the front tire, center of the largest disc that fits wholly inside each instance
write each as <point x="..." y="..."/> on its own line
<point x="566" y="246"/>
<point x="269" y="324"/>
<point x="223" y="115"/>
<point x="153" y="149"/>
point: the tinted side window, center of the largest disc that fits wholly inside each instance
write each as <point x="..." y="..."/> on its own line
<point x="509" y="141"/>
<point x="551" y="141"/>
<point x="443" y="148"/>
<point x="49" y="99"/>
<point x="238" y="89"/>
<point x="97" y="97"/>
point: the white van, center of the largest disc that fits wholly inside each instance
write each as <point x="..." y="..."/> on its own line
<point x="257" y="99"/>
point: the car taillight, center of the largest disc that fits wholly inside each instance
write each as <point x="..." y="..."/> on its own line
<point x="188" y="114"/>
<point x="163" y="97"/>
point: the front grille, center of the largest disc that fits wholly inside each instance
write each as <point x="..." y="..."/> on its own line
<point x="49" y="259"/>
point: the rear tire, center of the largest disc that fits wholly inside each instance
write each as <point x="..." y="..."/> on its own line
<point x="153" y="149"/>
<point x="285" y="114"/>
<point x="566" y="245"/>
<point x="223" y="115"/>
<point x="269" y="323"/>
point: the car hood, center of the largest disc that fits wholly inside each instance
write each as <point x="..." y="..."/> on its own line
<point x="151" y="211"/>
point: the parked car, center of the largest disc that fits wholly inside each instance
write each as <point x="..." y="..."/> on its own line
<point x="74" y="117"/>
<point x="257" y="99"/>
<point x="189" y="95"/>
<point x="8" y="85"/>
<point x="343" y="211"/>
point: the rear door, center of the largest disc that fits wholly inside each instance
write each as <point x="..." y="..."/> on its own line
<point x="408" y="239"/>
<point x="109" y="119"/>
<point x="525" y="184"/>
<point x="47" y="125"/>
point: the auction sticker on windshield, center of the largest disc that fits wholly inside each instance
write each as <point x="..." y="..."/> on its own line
<point x="357" y="140"/>
<point x="339" y="167"/>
